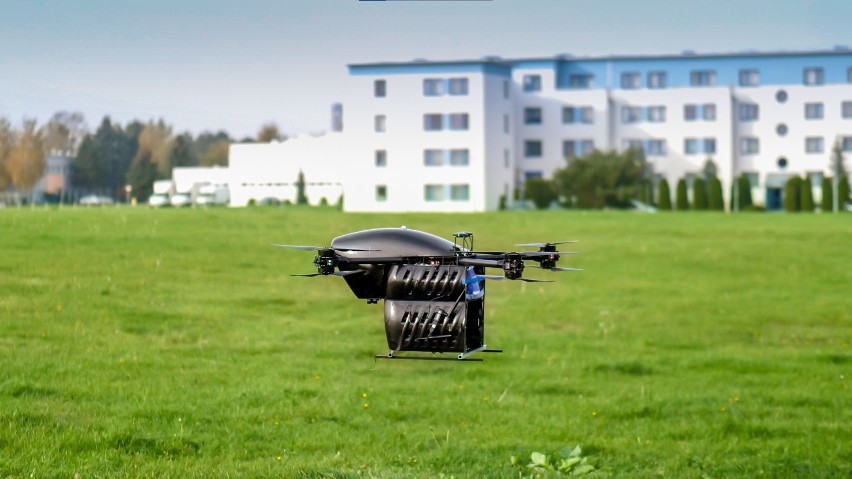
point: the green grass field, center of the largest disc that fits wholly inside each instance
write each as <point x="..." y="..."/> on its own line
<point x="174" y="343"/>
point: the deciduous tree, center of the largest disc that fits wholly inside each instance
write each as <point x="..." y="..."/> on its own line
<point x="601" y="179"/>
<point x="25" y="161"/>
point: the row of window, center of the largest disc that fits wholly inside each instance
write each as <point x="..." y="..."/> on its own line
<point x="691" y="146"/>
<point x="632" y="80"/>
<point x="431" y="87"/>
<point x="570" y="114"/>
<point x="455" y="192"/>
<point x="629" y="114"/>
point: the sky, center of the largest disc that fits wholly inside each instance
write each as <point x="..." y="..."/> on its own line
<point x="210" y="65"/>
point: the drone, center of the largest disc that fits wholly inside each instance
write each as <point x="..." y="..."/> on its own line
<point x="433" y="289"/>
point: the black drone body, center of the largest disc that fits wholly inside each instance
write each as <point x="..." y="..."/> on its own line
<point x="433" y="289"/>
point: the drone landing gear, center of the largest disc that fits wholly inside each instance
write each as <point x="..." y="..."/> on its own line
<point x="465" y="356"/>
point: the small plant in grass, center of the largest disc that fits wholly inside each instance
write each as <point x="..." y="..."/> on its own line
<point x="569" y="462"/>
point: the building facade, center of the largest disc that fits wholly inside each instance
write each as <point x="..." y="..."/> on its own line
<point x="463" y="135"/>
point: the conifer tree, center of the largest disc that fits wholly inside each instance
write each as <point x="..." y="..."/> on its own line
<point x="682" y="200"/>
<point x="806" y="196"/>
<point x="665" y="196"/>
<point x="699" y="194"/>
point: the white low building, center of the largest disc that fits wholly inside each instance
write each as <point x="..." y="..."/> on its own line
<point x="263" y="172"/>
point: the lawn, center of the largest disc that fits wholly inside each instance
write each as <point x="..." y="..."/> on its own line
<point x="174" y="343"/>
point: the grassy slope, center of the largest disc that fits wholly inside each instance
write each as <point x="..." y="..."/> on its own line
<point x="174" y="343"/>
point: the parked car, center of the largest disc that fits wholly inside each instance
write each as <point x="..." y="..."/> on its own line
<point x="95" y="200"/>
<point x="158" y="200"/>
<point x="180" y="199"/>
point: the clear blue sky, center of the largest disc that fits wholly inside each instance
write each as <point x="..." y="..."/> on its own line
<point x="234" y="65"/>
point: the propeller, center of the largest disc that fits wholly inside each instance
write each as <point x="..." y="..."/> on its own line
<point x="336" y="273"/>
<point x="481" y="277"/>
<point x="541" y="245"/>
<point x="556" y="268"/>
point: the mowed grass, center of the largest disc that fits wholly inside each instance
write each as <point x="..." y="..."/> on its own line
<point x="174" y="343"/>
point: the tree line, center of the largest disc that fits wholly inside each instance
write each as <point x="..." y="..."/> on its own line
<point x="608" y="179"/>
<point x="113" y="156"/>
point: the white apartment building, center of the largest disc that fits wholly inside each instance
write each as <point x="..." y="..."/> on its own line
<point x="461" y="135"/>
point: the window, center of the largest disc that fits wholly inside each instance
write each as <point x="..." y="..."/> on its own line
<point x="814" y="76"/>
<point x="702" y="78"/>
<point x="432" y="121"/>
<point x="379" y="123"/>
<point x="781" y="129"/>
<point x="749" y="146"/>
<point x="656" y="148"/>
<point x="433" y="157"/>
<point x="505" y="123"/>
<point x="433" y="192"/>
<point x="433" y="87"/>
<point x="458" y="121"/>
<point x="506" y="160"/>
<point x="814" y="144"/>
<point x="458" y="86"/>
<point x="579" y="114"/>
<point x="849" y="75"/>
<point x="578" y="80"/>
<point x="630" y="80"/>
<point x="632" y="144"/>
<point x="459" y="192"/>
<point x="532" y="116"/>
<point x="459" y="157"/>
<point x="506" y="89"/>
<point x="630" y="114"/>
<point x="781" y="96"/>
<point x="749" y="111"/>
<point x="656" y="114"/>
<point x="531" y="83"/>
<point x="709" y="111"/>
<point x="379" y="88"/>
<point x="690" y="112"/>
<point x="532" y="148"/>
<point x="569" y="114"/>
<point x="694" y="146"/>
<point x="846" y="143"/>
<point x="657" y="80"/>
<point x="381" y="158"/>
<point x="813" y="111"/>
<point x="381" y="193"/>
<point x="586" y="146"/>
<point x="846" y="109"/>
<point x="568" y="149"/>
<point x="815" y="177"/>
<point x="749" y="77"/>
<point x="533" y="175"/>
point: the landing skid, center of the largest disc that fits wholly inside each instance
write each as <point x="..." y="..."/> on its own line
<point x="465" y="356"/>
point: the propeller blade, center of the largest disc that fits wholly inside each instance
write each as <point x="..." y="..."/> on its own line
<point x="336" y="273"/>
<point x="540" y="245"/>
<point x="481" y="277"/>
<point x="530" y="280"/>
<point x="556" y="268"/>
<point x="533" y="254"/>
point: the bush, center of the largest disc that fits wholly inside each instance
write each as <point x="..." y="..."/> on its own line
<point x="792" y="202"/>
<point x="743" y="194"/>
<point x="843" y="187"/>
<point x="806" y="195"/>
<point x="682" y="200"/>
<point x="699" y="194"/>
<point x="826" y="203"/>
<point x="665" y="196"/>
<point x="715" y="200"/>
<point x="541" y="192"/>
